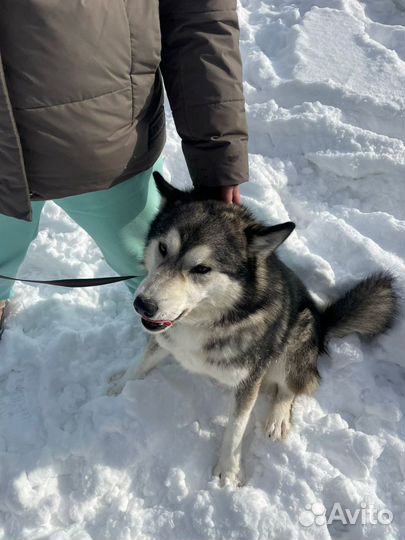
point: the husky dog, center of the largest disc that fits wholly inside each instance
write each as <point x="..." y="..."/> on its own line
<point x="219" y="300"/>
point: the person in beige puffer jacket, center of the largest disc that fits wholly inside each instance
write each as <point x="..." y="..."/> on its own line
<point x="82" y="118"/>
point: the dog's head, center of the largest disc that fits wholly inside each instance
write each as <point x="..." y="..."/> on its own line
<point x="199" y="255"/>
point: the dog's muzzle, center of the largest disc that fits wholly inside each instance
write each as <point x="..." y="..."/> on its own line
<point x="156" y="326"/>
<point x="147" y="308"/>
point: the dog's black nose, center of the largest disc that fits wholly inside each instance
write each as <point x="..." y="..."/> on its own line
<point x="145" y="306"/>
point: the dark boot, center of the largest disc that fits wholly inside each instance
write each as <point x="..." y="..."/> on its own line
<point x="3" y="308"/>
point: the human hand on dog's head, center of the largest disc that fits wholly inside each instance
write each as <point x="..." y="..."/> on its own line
<point x="228" y="194"/>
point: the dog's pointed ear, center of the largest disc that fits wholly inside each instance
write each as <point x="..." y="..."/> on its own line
<point x="168" y="192"/>
<point x="264" y="240"/>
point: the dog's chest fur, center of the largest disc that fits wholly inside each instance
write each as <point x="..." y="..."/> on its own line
<point x="187" y="345"/>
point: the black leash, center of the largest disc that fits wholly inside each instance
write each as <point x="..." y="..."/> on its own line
<point x="82" y="282"/>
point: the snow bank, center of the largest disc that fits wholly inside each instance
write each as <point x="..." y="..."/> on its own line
<point x="324" y="88"/>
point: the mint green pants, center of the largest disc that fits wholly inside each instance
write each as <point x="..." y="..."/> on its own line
<point x="117" y="219"/>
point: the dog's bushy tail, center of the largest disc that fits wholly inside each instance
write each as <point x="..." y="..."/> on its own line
<point x="369" y="308"/>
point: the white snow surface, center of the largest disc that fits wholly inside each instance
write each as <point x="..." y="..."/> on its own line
<point x="324" y="84"/>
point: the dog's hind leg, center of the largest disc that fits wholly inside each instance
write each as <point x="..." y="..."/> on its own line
<point x="295" y="373"/>
<point x="152" y="356"/>
<point x="278" y="421"/>
<point x="228" y="466"/>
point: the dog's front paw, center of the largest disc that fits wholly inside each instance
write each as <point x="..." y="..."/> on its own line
<point x="116" y="383"/>
<point x="116" y="388"/>
<point x="228" y="475"/>
<point x="278" y="423"/>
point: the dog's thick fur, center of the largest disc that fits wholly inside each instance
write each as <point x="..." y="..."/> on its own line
<point x="235" y="312"/>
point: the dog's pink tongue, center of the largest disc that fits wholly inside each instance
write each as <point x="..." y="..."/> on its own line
<point x="157" y="322"/>
<point x="167" y="323"/>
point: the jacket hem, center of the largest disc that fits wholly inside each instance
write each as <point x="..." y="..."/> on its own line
<point x="118" y="177"/>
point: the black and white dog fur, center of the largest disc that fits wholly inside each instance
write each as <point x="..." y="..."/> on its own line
<point x="219" y="300"/>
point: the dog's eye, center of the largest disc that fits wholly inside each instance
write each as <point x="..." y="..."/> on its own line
<point x="162" y="249"/>
<point x="200" y="269"/>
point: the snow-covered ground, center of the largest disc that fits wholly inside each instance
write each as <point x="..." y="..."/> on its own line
<point x="324" y="86"/>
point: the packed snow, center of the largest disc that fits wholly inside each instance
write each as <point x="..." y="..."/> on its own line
<point x="324" y="84"/>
